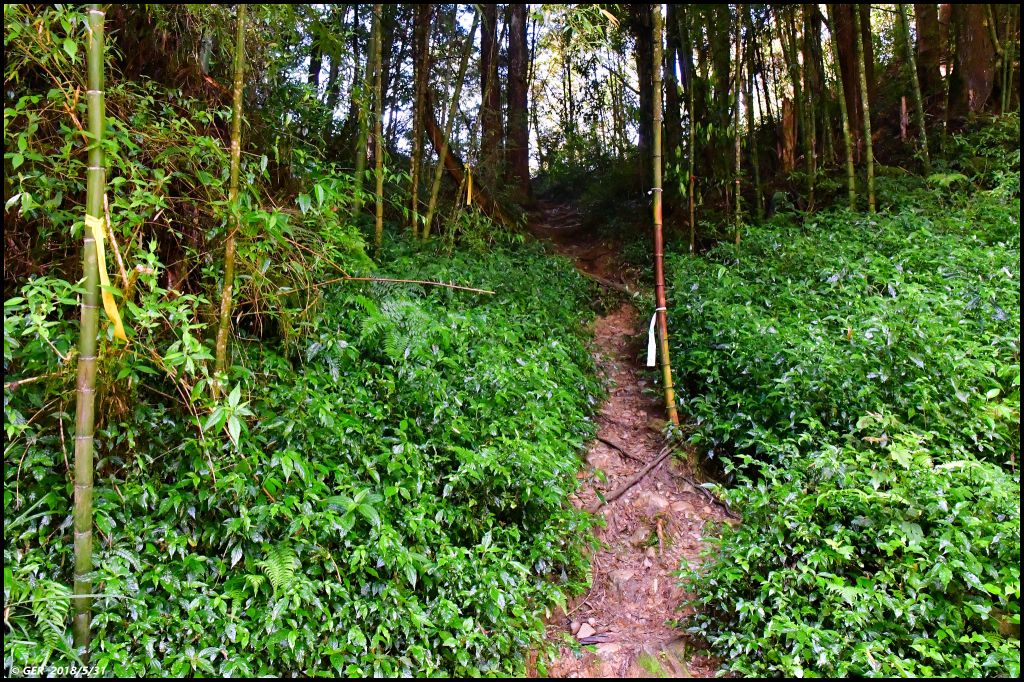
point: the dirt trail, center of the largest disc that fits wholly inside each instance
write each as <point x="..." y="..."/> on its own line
<point x="619" y="628"/>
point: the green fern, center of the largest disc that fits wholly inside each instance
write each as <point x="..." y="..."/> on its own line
<point x="280" y="566"/>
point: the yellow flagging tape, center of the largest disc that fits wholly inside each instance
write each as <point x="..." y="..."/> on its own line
<point x="469" y="185"/>
<point x="95" y="225"/>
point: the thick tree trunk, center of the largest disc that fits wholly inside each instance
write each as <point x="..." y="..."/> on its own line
<point x="518" y="144"/>
<point x="490" y="92"/>
<point x="929" y="49"/>
<point x="851" y="178"/>
<point x="973" y="77"/>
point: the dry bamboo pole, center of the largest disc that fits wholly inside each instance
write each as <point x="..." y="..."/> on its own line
<point x="659" y="256"/>
<point x="85" y="409"/>
<point x="378" y="124"/>
<point x="449" y="124"/>
<point x="227" y="290"/>
<point x="866" y="106"/>
<point x="736" y="121"/>
<point x="911" y="62"/>
<point x="851" y="175"/>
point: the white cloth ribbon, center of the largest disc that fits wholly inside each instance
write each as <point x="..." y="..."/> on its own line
<point x="651" y="343"/>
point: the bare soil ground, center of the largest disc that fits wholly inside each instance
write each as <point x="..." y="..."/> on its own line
<point x="623" y="626"/>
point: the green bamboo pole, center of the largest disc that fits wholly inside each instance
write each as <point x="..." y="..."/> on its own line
<point x="862" y="73"/>
<point x="85" y="408"/>
<point x="227" y="291"/>
<point x="453" y="108"/>
<point x="659" y="255"/>
<point x="378" y="133"/>
<point x="911" y="62"/>
<point x="851" y="175"/>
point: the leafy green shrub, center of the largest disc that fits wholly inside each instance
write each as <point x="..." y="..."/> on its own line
<point x="859" y="378"/>
<point x="395" y="503"/>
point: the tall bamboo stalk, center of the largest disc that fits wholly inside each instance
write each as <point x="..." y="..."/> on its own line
<point x="851" y="175"/>
<point x="659" y="256"/>
<point x="806" y="69"/>
<point x="227" y="290"/>
<point x="85" y="409"/>
<point x="911" y="62"/>
<point x="378" y="125"/>
<point x="866" y="106"/>
<point x="736" y="118"/>
<point x="453" y="108"/>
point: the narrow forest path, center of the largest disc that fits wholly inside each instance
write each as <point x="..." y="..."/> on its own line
<point x="651" y="528"/>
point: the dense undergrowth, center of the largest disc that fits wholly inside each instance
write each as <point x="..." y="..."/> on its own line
<point x="381" y="487"/>
<point x="858" y="379"/>
<point x="390" y="499"/>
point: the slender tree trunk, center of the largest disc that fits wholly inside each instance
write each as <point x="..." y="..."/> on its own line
<point x="673" y="123"/>
<point x="659" y="259"/>
<point x="316" y="64"/>
<point x="227" y="291"/>
<point x="518" y="113"/>
<point x="851" y="177"/>
<point x="378" y="123"/>
<point x="868" y="150"/>
<point x="755" y="165"/>
<point x="738" y="89"/>
<point x="809" y="88"/>
<point x="904" y="23"/>
<point x="363" y="94"/>
<point x="353" y="98"/>
<point x="691" y="148"/>
<point x="641" y="16"/>
<point x="421" y="74"/>
<point x="85" y="409"/>
<point x="449" y="124"/>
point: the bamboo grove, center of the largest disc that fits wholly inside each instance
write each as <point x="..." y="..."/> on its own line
<point x="300" y="201"/>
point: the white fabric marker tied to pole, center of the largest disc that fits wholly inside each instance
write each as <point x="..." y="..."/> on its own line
<point x="651" y="345"/>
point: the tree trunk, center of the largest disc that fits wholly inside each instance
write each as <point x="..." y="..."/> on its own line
<point x="849" y="66"/>
<point x="755" y="165"/>
<point x="868" y="151"/>
<point x="227" y="290"/>
<point x="851" y="178"/>
<point x="316" y="64"/>
<point x="737" y="89"/>
<point x="378" y="123"/>
<point x="686" y="63"/>
<point x="673" y="122"/>
<point x="490" y="91"/>
<point x="973" y="76"/>
<point x="811" y="88"/>
<point x="929" y="49"/>
<point x="363" y="104"/>
<point x="518" y="115"/>
<point x="442" y="154"/>
<point x="642" y="23"/>
<point x="657" y="31"/>
<point x="421" y="75"/>
<point x="903" y="22"/>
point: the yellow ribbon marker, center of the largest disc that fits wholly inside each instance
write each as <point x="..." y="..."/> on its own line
<point x="469" y="185"/>
<point x="95" y="225"/>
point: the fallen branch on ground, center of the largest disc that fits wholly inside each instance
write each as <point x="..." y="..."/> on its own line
<point x="620" y="448"/>
<point x="632" y="481"/>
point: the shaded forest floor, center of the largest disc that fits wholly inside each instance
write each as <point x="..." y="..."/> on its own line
<point x="622" y="626"/>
